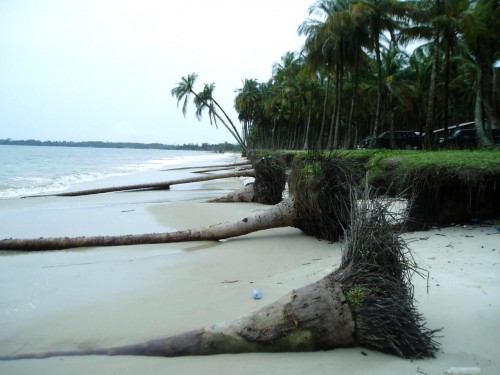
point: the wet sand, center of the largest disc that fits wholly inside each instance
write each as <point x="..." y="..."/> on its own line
<point x="113" y="296"/>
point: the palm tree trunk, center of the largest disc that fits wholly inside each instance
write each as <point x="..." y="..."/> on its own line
<point x="354" y="97"/>
<point x="319" y="144"/>
<point x="278" y="216"/>
<point x="378" y="109"/>
<point x="431" y="106"/>
<point x="308" y="126"/>
<point x="487" y="93"/>
<point x="233" y="131"/>
<point x="446" y="92"/>
<point x="336" y="134"/>
<point x="315" y="317"/>
<point x="238" y="137"/>
<point x="335" y="108"/>
<point x="158" y="185"/>
<point x="482" y="139"/>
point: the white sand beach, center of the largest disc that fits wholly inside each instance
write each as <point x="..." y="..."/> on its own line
<point x="99" y="297"/>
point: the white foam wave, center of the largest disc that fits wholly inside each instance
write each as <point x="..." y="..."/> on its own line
<point x="56" y="175"/>
<point x="20" y="186"/>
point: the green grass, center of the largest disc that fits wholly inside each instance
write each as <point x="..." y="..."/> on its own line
<point x="356" y="295"/>
<point x="461" y="159"/>
<point x="398" y="163"/>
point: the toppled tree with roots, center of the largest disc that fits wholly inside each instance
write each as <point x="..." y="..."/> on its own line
<point x="368" y="301"/>
<point x="376" y="276"/>
<point x="318" y="205"/>
<point x="321" y="187"/>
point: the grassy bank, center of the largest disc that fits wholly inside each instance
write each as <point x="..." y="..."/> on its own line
<point x="449" y="186"/>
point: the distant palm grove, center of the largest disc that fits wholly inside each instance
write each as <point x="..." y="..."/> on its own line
<point x="355" y="78"/>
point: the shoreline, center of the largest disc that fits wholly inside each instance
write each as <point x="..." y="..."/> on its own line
<point x="113" y="296"/>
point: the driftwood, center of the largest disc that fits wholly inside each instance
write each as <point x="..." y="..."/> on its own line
<point x="280" y="215"/>
<point x="156" y="185"/>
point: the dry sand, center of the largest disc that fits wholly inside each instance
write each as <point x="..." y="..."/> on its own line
<point x="113" y="296"/>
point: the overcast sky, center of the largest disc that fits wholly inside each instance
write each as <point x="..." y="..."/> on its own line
<point x="79" y="70"/>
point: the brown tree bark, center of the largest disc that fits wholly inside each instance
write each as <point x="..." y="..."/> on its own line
<point x="244" y="194"/>
<point x="157" y="185"/>
<point x="280" y="215"/>
<point x="233" y="165"/>
<point x="238" y="169"/>
<point x="315" y="317"/>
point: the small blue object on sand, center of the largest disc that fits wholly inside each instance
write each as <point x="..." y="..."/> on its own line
<point x="257" y="294"/>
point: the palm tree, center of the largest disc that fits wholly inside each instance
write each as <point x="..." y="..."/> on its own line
<point x="480" y="28"/>
<point x="204" y="100"/>
<point x="358" y="40"/>
<point x="248" y="103"/>
<point x="286" y="80"/>
<point x="380" y="16"/>
<point x="341" y="26"/>
<point x="418" y="74"/>
<point x="431" y="105"/>
<point x="452" y="9"/>
<point x="320" y="46"/>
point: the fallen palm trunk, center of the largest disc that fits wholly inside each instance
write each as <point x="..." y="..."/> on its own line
<point x="309" y="188"/>
<point x="243" y="168"/>
<point x="280" y="215"/>
<point x="315" y="317"/>
<point x="157" y="185"/>
<point x="245" y="194"/>
<point x="367" y="301"/>
<point x="211" y="166"/>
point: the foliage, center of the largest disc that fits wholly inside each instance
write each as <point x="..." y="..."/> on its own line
<point x="205" y="101"/>
<point x="354" y="78"/>
<point x="357" y="295"/>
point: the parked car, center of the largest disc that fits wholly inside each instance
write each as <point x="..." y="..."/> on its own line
<point x="466" y="138"/>
<point x="406" y="140"/>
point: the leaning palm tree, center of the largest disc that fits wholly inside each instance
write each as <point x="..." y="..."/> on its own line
<point x="204" y="100"/>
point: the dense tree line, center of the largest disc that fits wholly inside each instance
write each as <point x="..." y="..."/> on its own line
<point x="354" y="77"/>
<point x="221" y="147"/>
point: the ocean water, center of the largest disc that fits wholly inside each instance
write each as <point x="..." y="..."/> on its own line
<point x="34" y="170"/>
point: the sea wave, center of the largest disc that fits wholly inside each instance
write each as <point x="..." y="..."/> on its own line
<point x="48" y="170"/>
<point x="21" y="186"/>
